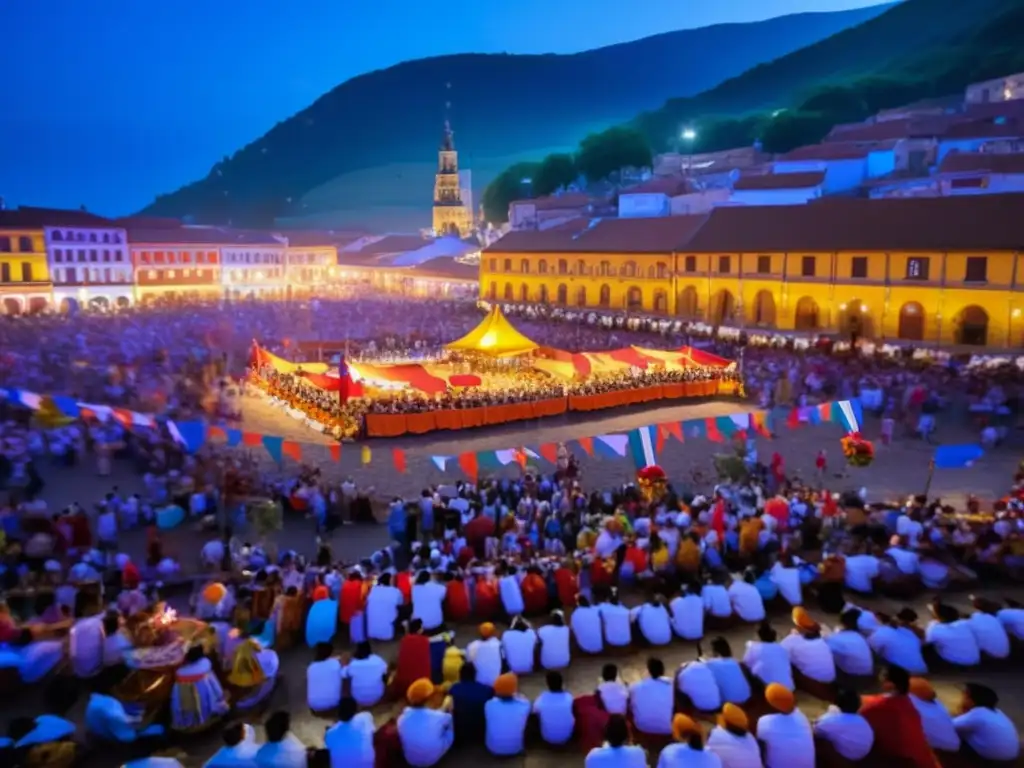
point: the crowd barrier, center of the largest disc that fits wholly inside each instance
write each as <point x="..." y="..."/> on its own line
<point x="396" y="424"/>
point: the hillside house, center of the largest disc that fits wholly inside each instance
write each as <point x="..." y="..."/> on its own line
<point x="975" y="173"/>
<point x="1009" y="88"/>
<point x="778" y="188"/>
<point x="972" y="135"/>
<point x="671" y="196"/>
<point x="675" y="163"/>
<point x="846" y="165"/>
<point x="545" y="212"/>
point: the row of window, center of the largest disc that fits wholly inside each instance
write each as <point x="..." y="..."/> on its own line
<point x="26" y="273"/>
<point x="24" y="244"/>
<point x="248" y="275"/>
<point x="917" y="268"/>
<point x="91" y="275"/>
<point x="71" y="236"/>
<point x="178" y="257"/>
<point x="251" y="257"/>
<point x="61" y="256"/>
<point x="169" y="275"/>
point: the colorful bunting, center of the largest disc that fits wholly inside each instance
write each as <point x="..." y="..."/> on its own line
<point x="275" y="447"/>
<point x="234" y="437"/>
<point x="760" y="421"/>
<point x="712" y="432"/>
<point x="398" y="458"/>
<point x="468" y="465"/>
<point x="642" y="446"/>
<point x="190" y="434"/>
<point x="251" y="439"/>
<point x="213" y="432"/>
<point x="292" y="450"/>
<point x="587" y="444"/>
<point x="335" y="452"/>
<point x="611" y="446"/>
<point x="550" y="452"/>
<point x="441" y="462"/>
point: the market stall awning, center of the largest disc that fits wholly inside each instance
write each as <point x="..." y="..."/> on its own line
<point x="494" y="336"/>
<point x="700" y="357"/>
<point x="262" y="357"/>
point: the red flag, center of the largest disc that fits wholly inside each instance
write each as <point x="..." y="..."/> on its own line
<point x="714" y="434"/>
<point x="336" y="452"/>
<point x="214" y="431"/>
<point x="467" y="463"/>
<point x="291" y="449"/>
<point x="252" y="439"/>
<point x="398" y="457"/>
<point x="550" y="452"/>
<point x="665" y="431"/>
<point x="718" y="520"/>
<point x="587" y="444"/>
<point x="520" y="457"/>
<point x="757" y="421"/>
<point x="793" y="420"/>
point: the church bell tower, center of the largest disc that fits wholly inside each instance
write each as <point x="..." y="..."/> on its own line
<point x="451" y="216"/>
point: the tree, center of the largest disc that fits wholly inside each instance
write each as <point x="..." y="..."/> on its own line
<point x="514" y="183"/>
<point x="555" y="172"/>
<point x="841" y="103"/>
<point x="605" y="153"/>
<point x="790" y="130"/>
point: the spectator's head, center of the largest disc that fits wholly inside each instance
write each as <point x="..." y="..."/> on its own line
<point x="347" y="709"/>
<point x="609" y="673"/>
<point x="555" y="682"/>
<point x="721" y="648"/>
<point x="897" y="679"/>
<point x="616" y="732"/>
<point x="111" y="623"/>
<point x="765" y="633"/>
<point x="848" y="701"/>
<point x="849" y="619"/>
<point x="655" y="667"/>
<point x="277" y="726"/>
<point x="363" y="650"/>
<point x="322" y="651"/>
<point x="734" y="720"/>
<point x="233" y="734"/>
<point x="978" y="695"/>
<point x="467" y="673"/>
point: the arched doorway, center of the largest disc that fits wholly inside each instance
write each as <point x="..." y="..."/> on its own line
<point x="808" y="316"/>
<point x="12" y="306"/>
<point x="854" y="319"/>
<point x="524" y="292"/>
<point x="911" y="326"/>
<point x="764" y="309"/>
<point x="37" y="305"/>
<point x="606" y="296"/>
<point x="723" y="307"/>
<point x="69" y="305"/>
<point x="687" y="303"/>
<point x="563" y="294"/>
<point x="509" y="292"/>
<point x="492" y="292"/>
<point x="660" y="302"/>
<point x="972" y="326"/>
<point x="543" y="298"/>
<point x="634" y="299"/>
<point x="581" y="297"/>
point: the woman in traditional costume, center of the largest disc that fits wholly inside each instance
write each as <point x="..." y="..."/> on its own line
<point x="253" y="674"/>
<point x="413" y="659"/>
<point x="197" y="698"/>
<point x="287" y="616"/>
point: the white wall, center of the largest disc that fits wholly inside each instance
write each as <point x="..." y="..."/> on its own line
<point x="840" y="175"/>
<point x="774" y="196"/>
<point x="644" y="204"/>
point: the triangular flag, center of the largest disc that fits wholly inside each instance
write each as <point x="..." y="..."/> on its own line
<point x="825" y="412"/>
<point x="549" y="451"/>
<point x="234" y="437"/>
<point x="793" y="420"/>
<point x="292" y="450"/>
<point x="695" y="429"/>
<point x="611" y="446"/>
<point x="365" y="455"/>
<point x="712" y="432"/>
<point x="398" y="457"/>
<point x="504" y="457"/>
<point x="441" y="462"/>
<point x="666" y="430"/>
<point x="760" y="421"/>
<point x="66" y="405"/>
<point x="587" y="444"/>
<point x="491" y="461"/>
<point x="29" y="399"/>
<point x="214" y="432"/>
<point x="468" y="465"/>
<point x="849" y="414"/>
<point x="252" y="439"/>
<point x="642" y="446"/>
<point x="275" y="447"/>
<point x="724" y="425"/>
<point x="335" y="452"/>
<point x="191" y="434"/>
<point x="123" y="417"/>
<point x="741" y="420"/>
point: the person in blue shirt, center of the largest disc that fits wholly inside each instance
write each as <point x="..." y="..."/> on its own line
<point x="468" y="699"/>
<point x="396" y="521"/>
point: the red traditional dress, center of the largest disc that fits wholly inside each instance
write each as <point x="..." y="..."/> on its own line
<point x="535" y="594"/>
<point x="486" y="600"/>
<point x="413" y="662"/>
<point x="456" y="601"/>
<point x="568" y="587"/>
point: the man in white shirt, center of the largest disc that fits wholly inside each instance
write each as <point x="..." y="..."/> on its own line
<point x="509" y="590"/>
<point x="950" y="637"/>
<point x="906" y="559"/>
<point x="935" y="718"/>
<point x="808" y="651"/>
<point x="697" y="683"/>
<point x="486" y="655"/>
<point x="382" y="604"/>
<point x="767" y="660"/>
<point x="586" y="626"/>
<point x="717" y="602"/>
<point x="985" y="730"/>
<point x="618" y="632"/>
<point x="614" y="695"/>
<point x="746" y="601"/>
<point x="786" y="577"/>
<point x="428" y="602"/>
<point x="732" y="740"/>
<point x="519" y="643"/>
<point x="989" y="632"/>
<point x="554" y="711"/>
<point x="350" y="741"/>
<point x="367" y="675"/>
<point x="850" y="649"/>
<point x="617" y="752"/>
<point x="844" y="729"/>
<point x="861" y="571"/>
<point x="282" y="748"/>
<point x="239" y="750"/>
<point x="323" y="680"/>
<point x="652" y="701"/>
<point x="426" y="734"/>
<point x="505" y="718"/>
<point x="899" y="647"/>
<point x="786" y="734"/>
<point x="554" y="643"/>
<point x="652" y="621"/>
<point x="733" y="686"/>
<point x="1012" y="617"/>
<point x="688" y="614"/>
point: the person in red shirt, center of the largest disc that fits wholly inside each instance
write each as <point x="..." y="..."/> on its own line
<point x="478" y="530"/>
<point x="403" y="581"/>
<point x="567" y="584"/>
<point x="899" y="734"/>
<point x="535" y="592"/>
<point x="456" y="601"/>
<point x="485" y="598"/>
<point x="413" y="659"/>
<point x="352" y="594"/>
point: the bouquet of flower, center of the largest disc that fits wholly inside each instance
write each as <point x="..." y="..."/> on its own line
<point x="652" y="481"/>
<point x="859" y="451"/>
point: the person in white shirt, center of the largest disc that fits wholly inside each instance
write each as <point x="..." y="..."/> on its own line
<point x="989" y="632"/>
<point x="732" y="740"/>
<point x="786" y="577"/>
<point x="688" y="613"/>
<point x="652" y="621"/>
<point x="486" y="654"/>
<point x="554" y="642"/>
<point x="717" y="603"/>
<point x="554" y="711"/>
<point x="767" y="660"/>
<point x="1012" y="617"/>
<point x="688" y="751"/>
<point x="86" y="645"/>
<point x="616" y="752"/>
<point x="426" y="734"/>
<point x="349" y="742"/>
<point x="509" y="590"/>
<point x="428" y="596"/>
<point x="906" y="559"/>
<point x="519" y="644"/>
<point x="850" y="648"/>
<point x="239" y="750"/>
<point x="842" y="729"/>
<point x="733" y="685"/>
<point x="810" y="655"/>
<point x="949" y="639"/>
<point x="786" y="733"/>
<point x="505" y="718"/>
<point x="282" y="748"/>
<point x="935" y="718"/>
<point x="618" y="633"/>
<point x="652" y="701"/>
<point x="899" y="646"/>
<point x="382" y="605"/>
<point x="323" y="681"/>
<point x="861" y="571"/>
<point x="367" y="676"/>
<point x="698" y="688"/>
<point x="986" y="731"/>
<point x="747" y="602"/>
<point x="614" y="695"/>
<point x="586" y="626"/>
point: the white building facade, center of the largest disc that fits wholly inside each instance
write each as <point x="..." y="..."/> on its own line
<point x="254" y="269"/>
<point x="91" y="267"/>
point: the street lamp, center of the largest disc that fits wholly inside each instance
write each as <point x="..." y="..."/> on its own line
<point x="689" y="135"/>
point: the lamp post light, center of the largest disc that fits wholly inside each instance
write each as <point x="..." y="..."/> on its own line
<point x="689" y="135"/>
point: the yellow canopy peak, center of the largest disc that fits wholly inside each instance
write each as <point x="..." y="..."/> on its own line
<point x="494" y="336"/>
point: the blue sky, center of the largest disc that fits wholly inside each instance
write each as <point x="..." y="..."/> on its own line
<point x="108" y="102"/>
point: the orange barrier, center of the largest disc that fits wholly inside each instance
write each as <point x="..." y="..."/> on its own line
<point x="395" y="424"/>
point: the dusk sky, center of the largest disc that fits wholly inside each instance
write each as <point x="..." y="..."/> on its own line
<point x="108" y="103"/>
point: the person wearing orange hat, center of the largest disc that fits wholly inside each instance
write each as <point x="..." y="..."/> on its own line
<point x="506" y="717"/>
<point x="786" y="733"/>
<point x="425" y="734"/>
<point x="486" y="654"/>
<point x="935" y="718"/>
<point x="732" y="740"/>
<point x="814" y="667"/>
<point x="688" y="749"/>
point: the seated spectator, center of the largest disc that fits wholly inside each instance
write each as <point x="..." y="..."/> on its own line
<point x="505" y="718"/>
<point x="616" y="752"/>
<point x="786" y="735"/>
<point x="554" y="711"/>
<point x="732" y="740"/>
<point x="842" y="730"/>
<point x="468" y="699"/>
<point x="987" y="733"/>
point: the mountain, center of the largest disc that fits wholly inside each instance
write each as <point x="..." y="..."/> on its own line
<point x="503" y="106"/>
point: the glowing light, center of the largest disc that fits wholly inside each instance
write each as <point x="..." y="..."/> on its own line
<point x="689" y="134"/>
<point x="489" y="339"/>
<point x="863" y="307"/>
<point x="1016" y="313"/>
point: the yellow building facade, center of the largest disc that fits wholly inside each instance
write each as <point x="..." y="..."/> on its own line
<point x="25" y="284"/>
<point x="931" y="295"/>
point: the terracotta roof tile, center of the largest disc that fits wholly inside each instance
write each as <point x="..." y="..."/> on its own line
<point x="394" y="244"/>
<point x="930" y="126"/>
<point x="991" y="162"/>
<point x="28" y="217"/>
<point x="831" y="151"/>
<point x="780" y="180"/>
<point x="556" y="202"/>
<point x="985" y="129"/>
<point x="654" y="235"/>
<point x="664" y="185"/>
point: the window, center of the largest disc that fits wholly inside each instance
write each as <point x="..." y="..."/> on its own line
<point x="5" y="273"/>
<point x="859" y="266"/>
<point x="71" y="275"/>
<point x="81" y="254"/>
<point x="5" y="245"/>
<point x="106" y="237"/>
<point x="690" y="264"/>
<point x="808" y="266"/>
<point x="58" y="255"/>
<point x="93" y="255"/>
<point x="543" y="267"/>
<point x="764" y="265"/>
<point x="187" y="273"/>
<point x="151" y="274"/>
<point x="25" y="244"/>
<point x="977" y="269"/>
<point x="26" y="272"/>
<point x="724" y="265"/>
<point x="917" y="268"/>
<point x="507" y="265"/>
<point x="491" y="265"/>
<point x="524" y="266"/>
<point x="106" y="255"/>
<point x="108" y="275"/>
<point x="57" y="235"/>
<point x="92" y="237"/>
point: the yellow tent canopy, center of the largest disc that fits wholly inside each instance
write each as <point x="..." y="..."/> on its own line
<point x="495" y="336"/>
